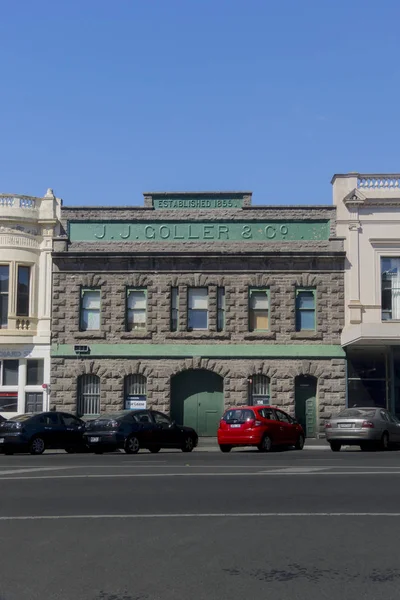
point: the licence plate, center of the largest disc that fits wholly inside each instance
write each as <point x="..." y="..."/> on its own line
<point x="94" y="439"/>
<point x="1" y="440"/>
<point x="232" y="426"/>
<point x="346" y="425"/>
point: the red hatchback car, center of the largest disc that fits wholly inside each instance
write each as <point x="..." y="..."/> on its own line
<point x="261" y="426"/>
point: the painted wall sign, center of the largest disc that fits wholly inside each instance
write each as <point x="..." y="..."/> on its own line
<point x="9" y="353"/>
<point x="195" y="231"/>
<point x="197" y="203"/>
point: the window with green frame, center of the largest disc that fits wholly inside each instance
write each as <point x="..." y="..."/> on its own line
<point x="258" y="309"/>
<point x="90" y="309"/>
<point x="136" y="309"/>
<point x="306" y="300"/>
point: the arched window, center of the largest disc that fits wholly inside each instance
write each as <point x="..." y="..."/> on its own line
<point x="88" y="395"/>
<point x="259" y="389"/>
<point x="135" y="391"/>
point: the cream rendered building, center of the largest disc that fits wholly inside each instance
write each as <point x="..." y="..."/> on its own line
<point x="368" y="217"/>
<point x="27" y="227"/>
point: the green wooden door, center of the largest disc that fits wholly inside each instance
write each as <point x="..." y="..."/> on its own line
<point x="306" y="404"/>
<point x="197" y="400"/>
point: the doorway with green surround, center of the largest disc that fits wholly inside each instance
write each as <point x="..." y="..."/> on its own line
<point x="306" y="404"/>
<point x="197" y="400"/>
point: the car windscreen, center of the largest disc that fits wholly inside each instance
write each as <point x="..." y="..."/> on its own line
<point x="238" y="415"/>
<point x="357" y="413"/>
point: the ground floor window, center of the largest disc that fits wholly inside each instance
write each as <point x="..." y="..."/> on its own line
<point x="135" y="391"/>
<point x="33" y="402"/>
<point x="8" y="402"/>
<point x="88" y="395"/>
<point x="258" y="390"/>
<point x="368" y="377"/>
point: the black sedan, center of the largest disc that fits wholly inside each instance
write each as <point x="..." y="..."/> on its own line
<point x="36" y="432"/>
<point x="136" y="429"/>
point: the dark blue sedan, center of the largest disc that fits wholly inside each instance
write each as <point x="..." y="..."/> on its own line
<point x="136" y="429"/>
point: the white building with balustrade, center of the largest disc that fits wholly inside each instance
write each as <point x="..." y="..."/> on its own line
<point x="368" y="217"/>
<point x="27" y="227"/>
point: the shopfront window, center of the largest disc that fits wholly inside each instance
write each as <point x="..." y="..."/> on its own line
<point x="10" y="372"/>
<point x="8" y="402"/>
<point x="390" y="283"/>
<point x="34" y="372"/>
<point x="367" y="374"/>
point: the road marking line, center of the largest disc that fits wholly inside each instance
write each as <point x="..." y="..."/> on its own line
<point x="199" y="515"/>
<point x="188" y="474"/>
<point x="33" y="470"/>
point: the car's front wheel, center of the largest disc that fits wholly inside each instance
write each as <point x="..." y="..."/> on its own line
<point x="132" y="445"/>
<point x="299" y="445"/>
<point x="225" y="447"/>
<point x="335" y="446"/>
<point x="37" y="445"/>
<point x="266" y="444"/>
<point x="188" y="444"/>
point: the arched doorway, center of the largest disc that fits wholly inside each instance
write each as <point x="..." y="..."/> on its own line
<point x="306" y="404"/>
<point x="197" y="400"/>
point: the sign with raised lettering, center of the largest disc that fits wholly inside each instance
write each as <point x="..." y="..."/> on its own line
<point x="198" y="203"/>
<point x="14" y="352"/>
<point x="197" y="231"/>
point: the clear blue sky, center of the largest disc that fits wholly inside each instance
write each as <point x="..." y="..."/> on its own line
<point x="103" y="100"/>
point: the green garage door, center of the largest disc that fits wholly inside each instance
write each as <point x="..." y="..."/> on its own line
<point x="197" y="400"/>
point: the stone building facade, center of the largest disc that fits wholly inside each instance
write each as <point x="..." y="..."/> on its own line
<point x="195" y="302"/>
<point x="27" y="227"/>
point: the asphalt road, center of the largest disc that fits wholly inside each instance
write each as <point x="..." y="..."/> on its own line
<point x="286" y="525"/>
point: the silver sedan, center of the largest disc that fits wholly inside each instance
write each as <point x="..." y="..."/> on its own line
<point x="364" y="427"/>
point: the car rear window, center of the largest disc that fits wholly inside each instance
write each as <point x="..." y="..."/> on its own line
<point x="238" y="415"/>
<point x="114" y="415"/>
<point x="357" y="413"/>
<point x="23" y="417"/>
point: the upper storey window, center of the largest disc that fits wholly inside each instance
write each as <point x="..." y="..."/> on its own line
<point x="4" y="293"/>
<point x="390" y="286"/>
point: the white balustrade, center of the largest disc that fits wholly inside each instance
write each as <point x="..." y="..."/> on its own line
<point x="6" y="201"/>
<point x="23" y="202"/>
<point x="378" y="182"/>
